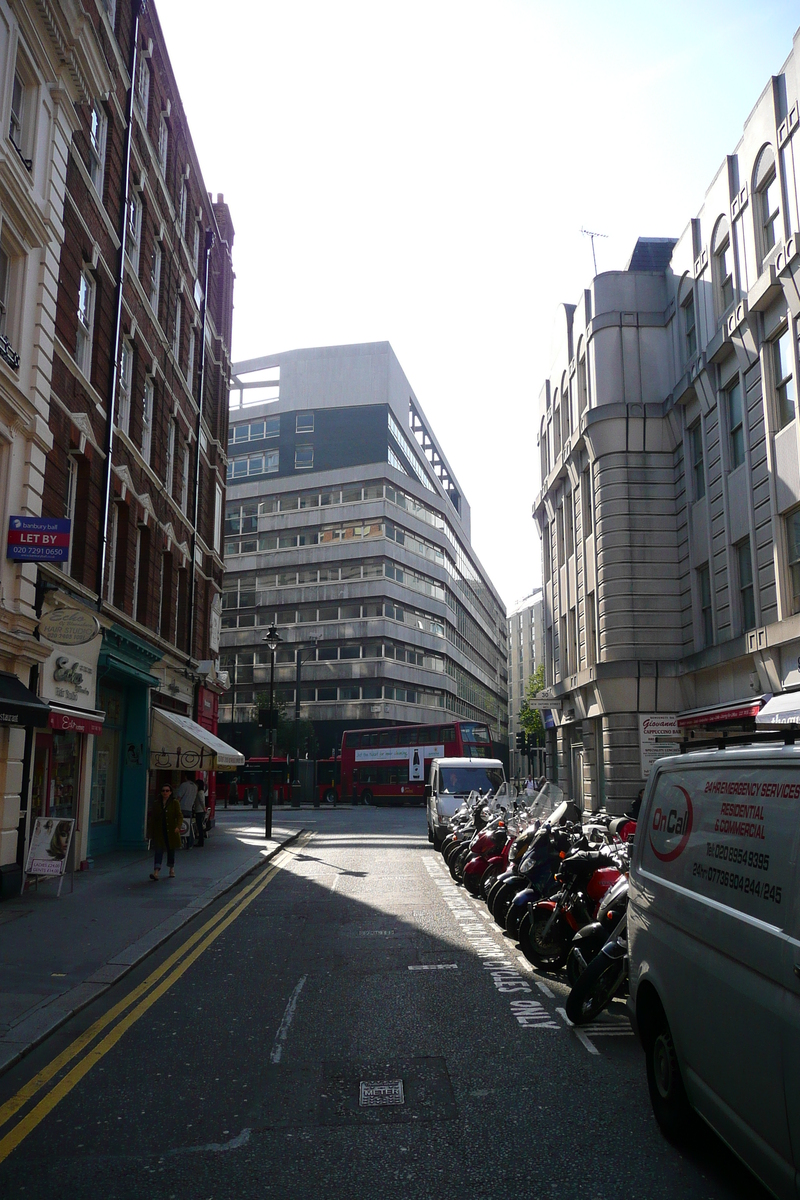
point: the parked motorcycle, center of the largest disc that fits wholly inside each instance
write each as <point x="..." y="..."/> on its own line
<point x="604" y="978"/>
<point x="547" y="929"/>
<point x="589" y="941"/>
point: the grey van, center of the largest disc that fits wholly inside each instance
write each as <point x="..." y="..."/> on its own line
<point x="452" y="779"/>
<point x="714" y="942"/>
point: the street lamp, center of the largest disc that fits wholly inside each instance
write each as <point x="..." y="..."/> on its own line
<point x="271" y="640"/>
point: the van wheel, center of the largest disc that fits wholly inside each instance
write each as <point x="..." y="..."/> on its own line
<point x="667" y="1094"/>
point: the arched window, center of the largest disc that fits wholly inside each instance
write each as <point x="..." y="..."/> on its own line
<point x="722" y="268"/>
<point x="545" y="457"/>
<point x="767" y="206"/>
<point x="582" y="381"/>
<point x="556" y="426"/>
<point x="566" y="408"/>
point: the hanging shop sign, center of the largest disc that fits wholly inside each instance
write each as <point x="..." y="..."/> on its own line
<point x="69" y="626"/>
<point x="38" y="539"/>
<point x="69" y="675"/>
<point x="49" y="846"/>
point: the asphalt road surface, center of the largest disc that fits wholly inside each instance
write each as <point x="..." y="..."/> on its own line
<point x="232" y="1063"/>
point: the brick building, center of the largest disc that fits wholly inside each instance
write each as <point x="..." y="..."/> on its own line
<point x="140" y="369"/>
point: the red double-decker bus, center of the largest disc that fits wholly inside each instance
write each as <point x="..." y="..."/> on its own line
<point x="390" y="765"/>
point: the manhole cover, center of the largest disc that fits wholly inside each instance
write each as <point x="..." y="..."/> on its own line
<point x="383" y="1091"/>
<point x="380" y="1091"/>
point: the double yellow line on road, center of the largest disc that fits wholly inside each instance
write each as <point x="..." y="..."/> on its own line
<point x="146" y="994"/>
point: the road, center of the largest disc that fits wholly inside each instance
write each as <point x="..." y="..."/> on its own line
<point x="229" y="1064"/>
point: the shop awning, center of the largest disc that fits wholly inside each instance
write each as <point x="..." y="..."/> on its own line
<point x="716" y="714"/>
<point x="18" y="704"/>
<point x="178" y="742"/>
<point x="781" y="710"/>
<point x="79" y="720"/>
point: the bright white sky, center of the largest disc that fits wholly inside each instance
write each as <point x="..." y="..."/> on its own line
<point x="419" y="172"/>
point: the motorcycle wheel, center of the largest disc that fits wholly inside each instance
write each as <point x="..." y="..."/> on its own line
<point x="448" y="850"/>
<point x="493" y="893"/>
<point x="503" y="900"/>
<point x="595" y="989"/>
<point x="575" y="967"/>
<point x="549" y="954"/>
<point x="458" y="862"/>
<point x="515" y="914"/>
<point x="488" y="881"/>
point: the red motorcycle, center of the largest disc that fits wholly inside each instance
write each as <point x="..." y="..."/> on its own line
<point x="488" y="854"/>
<point x="547" y="929"/>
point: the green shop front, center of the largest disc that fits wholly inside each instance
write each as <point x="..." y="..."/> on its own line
<point x="121" y="751"/>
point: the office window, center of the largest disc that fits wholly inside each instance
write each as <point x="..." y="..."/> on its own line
<point x="793" y="550"/>
<point x="704" y="591"/>
<point x="20" y="120"/>
<point x="185" y="467"/>
<point x="183" y="204"/>
<point x="698" y="463"/>
<point x="546" y="553"/>
<point x="783" y="368"/>
<point x="70" y="500"/>
<point x="155" y="276"/>
<point x="143" y="84"/>
<point x="689" y="326"/>
<point x="218" y="518"/>
<point x="124" y="386"/>
<point x="147" y="418"/>
<point x="170" y="464"/>
<point x="176" y="332"/>
<point x="736" y="424"/>
<point x="163" y="143"/>
<point x="591" y="628"/>
<point x="563" y="663"/>
<point x="134" y="228"/>
<point x="769" y="203"/>
<point x="83" y="340"/>
<point x="543" y="451"/>
<point x="583" y="386"/>
<point x="190" y="360"/>
<point x="304" y="422"/>
<point x="97" y="146"/>
<point x="746" y="590"/>
<point x="560" y="535"/>
<point x="303" y="458"/>
<point x="724" y="272"/>
<point x="587" y="501"/>
<point x="569" y="521"/>
<point x="4" y="275"/>
<point x="556" y="427"/>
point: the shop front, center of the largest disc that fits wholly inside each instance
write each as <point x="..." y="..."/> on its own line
<point x="22" y="715"/>
<point x="62" y="763"/>
<point x="118" y="809"/>
<point x="181" y="746"/>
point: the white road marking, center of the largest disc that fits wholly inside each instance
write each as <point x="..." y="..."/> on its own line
<point x="335" y="883"/>
<point x="435" y="967"/>
<point x="545" y="990"/>
<point x="288" y="1017"/>
<point x="579" y="1034"/>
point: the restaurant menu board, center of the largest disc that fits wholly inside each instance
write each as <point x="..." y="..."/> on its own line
<point x="49" y="848"/>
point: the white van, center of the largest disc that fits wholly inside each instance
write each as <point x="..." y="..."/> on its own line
<point x="452" y="779"/>
<point x="714" y="941"/>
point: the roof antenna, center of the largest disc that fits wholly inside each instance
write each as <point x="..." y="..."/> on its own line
<point x="592" y="234"/>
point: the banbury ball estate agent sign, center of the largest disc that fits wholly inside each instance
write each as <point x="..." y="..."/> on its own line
<point x="38" y="539"/>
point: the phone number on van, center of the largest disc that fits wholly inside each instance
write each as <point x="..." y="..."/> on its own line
<point x="739" y="883"/>
<point x="737" y="854"/>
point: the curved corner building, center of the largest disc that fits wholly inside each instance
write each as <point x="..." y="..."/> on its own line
<point x="345" y="525"/>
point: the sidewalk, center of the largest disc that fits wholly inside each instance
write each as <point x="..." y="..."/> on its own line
<point x="57" y="955"/>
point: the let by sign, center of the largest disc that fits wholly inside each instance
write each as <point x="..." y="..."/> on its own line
<point x="38" y="539"/>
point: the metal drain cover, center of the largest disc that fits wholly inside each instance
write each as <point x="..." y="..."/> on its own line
<point x="380" y="1092"/>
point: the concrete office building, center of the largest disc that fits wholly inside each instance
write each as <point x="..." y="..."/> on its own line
<point x="670" y="501"/>
<point x="525" y="653"/>
<point x="346" y="525"/>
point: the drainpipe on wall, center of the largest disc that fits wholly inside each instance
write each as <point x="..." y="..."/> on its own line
<point x="138" y="8"/>
<point x="209" y="242"/>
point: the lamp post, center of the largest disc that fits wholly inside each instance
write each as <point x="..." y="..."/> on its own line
<point x="271" y="640"/>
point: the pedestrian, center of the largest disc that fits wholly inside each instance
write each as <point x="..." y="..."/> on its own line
<point x="187" y="794"/>
<point x="199" y="812"/>
<point x="164" y="830"/>
<point x="233" y="792"/>
<point x="529" y="788"/>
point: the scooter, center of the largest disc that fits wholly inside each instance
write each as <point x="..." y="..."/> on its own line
<point x="589" y="941"/>
<point x="604" y="978"/>
<point x="546" y="931"/>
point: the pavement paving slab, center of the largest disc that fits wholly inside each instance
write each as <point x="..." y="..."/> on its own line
<point x="58" y="954"/>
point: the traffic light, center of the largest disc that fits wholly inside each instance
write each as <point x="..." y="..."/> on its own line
<point x="521" y="741"/>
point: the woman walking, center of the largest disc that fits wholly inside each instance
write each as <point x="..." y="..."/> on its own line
<point x="164" y="830"/>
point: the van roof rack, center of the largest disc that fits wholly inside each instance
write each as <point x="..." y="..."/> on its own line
<point x="728" y="740"/>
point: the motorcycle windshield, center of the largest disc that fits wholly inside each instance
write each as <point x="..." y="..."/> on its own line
<point x="546" y="801"/>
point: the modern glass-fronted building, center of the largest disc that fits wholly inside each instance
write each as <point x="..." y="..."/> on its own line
<point x="345" y="525"/>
